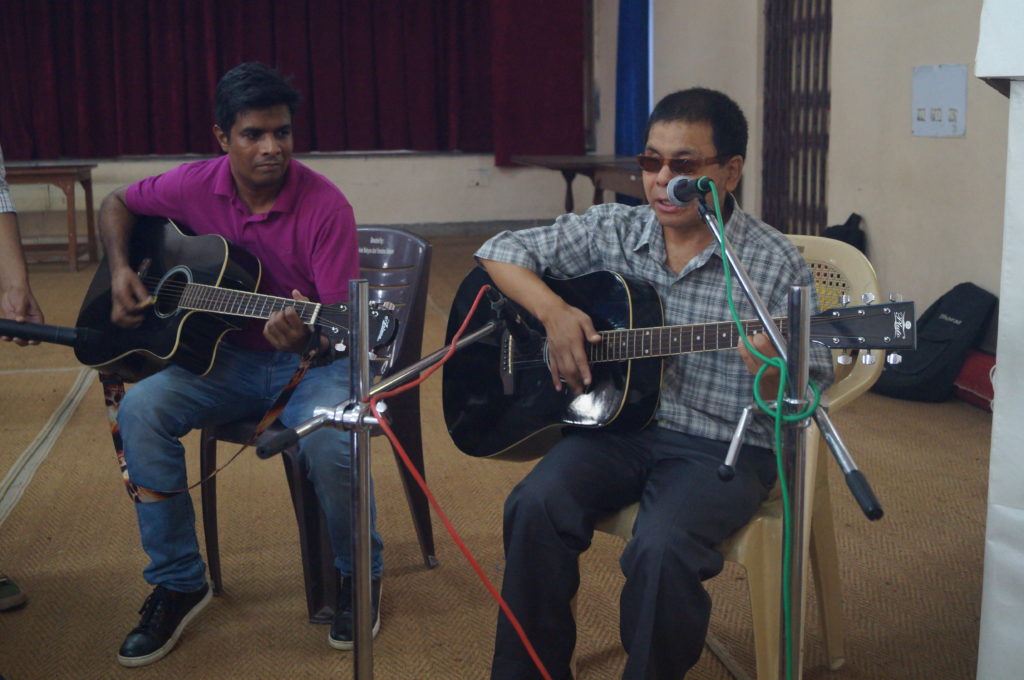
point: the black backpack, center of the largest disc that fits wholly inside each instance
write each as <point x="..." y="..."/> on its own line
<point x="953" y="324"/>
<point x="850" y="232"/>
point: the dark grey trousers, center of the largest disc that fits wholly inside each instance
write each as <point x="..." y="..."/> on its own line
<point x="685" y="510"/>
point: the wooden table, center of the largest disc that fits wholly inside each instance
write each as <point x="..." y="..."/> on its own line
<point x="62" y="175"/>
<point x="614" y="173"/>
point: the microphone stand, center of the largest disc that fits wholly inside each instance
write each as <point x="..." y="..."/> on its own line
<point x="355" y="416"/>
<point x="795" y="353"/>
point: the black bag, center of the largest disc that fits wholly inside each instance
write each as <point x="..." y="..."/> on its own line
<point x="849" y="232"/>
<point x="952" y="325"/>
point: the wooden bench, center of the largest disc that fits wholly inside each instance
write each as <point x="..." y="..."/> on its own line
<point x="614" y="173"/>
<point x="63" y="175"/>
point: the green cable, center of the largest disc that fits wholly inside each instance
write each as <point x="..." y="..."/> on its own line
<point x="779" y="417"/>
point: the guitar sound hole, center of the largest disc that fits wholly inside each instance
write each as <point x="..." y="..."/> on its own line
<point x="169" y="292"/>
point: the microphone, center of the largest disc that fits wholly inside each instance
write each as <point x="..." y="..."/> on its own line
<point x="682" y="189"/>
<point x="78" y="337"/>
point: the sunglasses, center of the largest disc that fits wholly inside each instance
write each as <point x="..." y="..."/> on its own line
<point x="678" y="166"/>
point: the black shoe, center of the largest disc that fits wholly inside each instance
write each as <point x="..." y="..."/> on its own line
<point x="165" y="613"/>
<point x="341" y="635"/>
<point x="11" y="596"/>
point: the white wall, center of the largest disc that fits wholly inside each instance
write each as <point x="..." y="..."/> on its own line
<point x="1000" y="654"/>
<point x="933" y="207"/>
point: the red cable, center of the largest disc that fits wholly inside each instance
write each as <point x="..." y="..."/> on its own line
<point x="430" y="496"/>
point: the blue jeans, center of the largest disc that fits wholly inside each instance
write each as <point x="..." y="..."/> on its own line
<point x="158" y="411"/>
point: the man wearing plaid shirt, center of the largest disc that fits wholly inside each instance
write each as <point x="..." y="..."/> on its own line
<point x="670" y="467"/>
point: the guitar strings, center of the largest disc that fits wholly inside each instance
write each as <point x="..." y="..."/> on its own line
<point x="177" y="288"/>
<point x="604" y="352"/>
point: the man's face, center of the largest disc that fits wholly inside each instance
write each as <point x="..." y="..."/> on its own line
<point x="680" y="139"/>
<point x="259" y="146"/>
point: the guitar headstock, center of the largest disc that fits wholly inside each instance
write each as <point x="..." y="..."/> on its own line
<point x="383" y="324"/>
<point x="889" y="326"/>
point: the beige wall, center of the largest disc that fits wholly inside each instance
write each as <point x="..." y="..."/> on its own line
<point x="689" y="51"/>
<point x="717" y="45"/>
<point x="933" y="207"/>
<point x="421" y="189"/>
<point x="606" y="26"/>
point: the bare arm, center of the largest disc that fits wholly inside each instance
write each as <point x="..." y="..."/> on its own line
<point x="567" y="327"/>
<point x="129" y="294"/>
<point x="16" y="299"/>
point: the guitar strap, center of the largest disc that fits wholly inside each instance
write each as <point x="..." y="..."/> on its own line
<point x="113" y="394"/>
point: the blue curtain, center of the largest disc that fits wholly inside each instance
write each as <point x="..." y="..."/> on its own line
<point x="632" y="83"/>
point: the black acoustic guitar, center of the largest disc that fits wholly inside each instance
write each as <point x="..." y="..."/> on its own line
<point x="497" y="394"/>
<point x="203" y="286"/>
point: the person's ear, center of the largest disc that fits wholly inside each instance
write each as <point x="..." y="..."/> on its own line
<point x="733" y="172"/>
<point x="222" y="137"/>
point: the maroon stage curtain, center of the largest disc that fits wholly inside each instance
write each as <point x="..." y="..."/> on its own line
<point x="108" y="78"/>
<point x="538" y="77"/>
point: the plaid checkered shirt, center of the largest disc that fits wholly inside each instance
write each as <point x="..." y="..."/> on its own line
<point x="703" y="393"/>
<point x="6" y="203"/>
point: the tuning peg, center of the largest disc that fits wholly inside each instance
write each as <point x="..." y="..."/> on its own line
<point x="893" y="359"/>
<point x="844" y="299"/>
<point x="868" y="359"/>
<point x="844" y="360"/>
<point x="895" y="297"/>
<point x="868" y="298"/>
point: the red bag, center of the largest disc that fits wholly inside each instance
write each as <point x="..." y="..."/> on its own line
<point x="974" y="382"/>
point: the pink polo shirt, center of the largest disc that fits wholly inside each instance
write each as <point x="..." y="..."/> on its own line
<point x="306" y="242"/>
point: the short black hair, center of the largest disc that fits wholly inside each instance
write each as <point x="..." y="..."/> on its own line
<point x="250" y="86"/>
<point x="702" y="105"/>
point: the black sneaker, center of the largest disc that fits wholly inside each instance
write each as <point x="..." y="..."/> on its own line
<point x="165" y="613"/>
<point x="340" y="636"/>
<point x="11" y="596"/>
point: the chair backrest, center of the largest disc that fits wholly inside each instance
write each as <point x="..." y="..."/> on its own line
<point x="396" y="264"/>
<point x="840" y="269"/>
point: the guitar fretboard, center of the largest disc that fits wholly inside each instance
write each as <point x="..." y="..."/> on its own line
<point x="639" y="343"/>
<point x="205" y="298"/>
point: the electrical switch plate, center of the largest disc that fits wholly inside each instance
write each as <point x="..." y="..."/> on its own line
<point x="939" y="101"/>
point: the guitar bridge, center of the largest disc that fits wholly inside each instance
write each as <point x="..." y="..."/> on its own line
<point x="508" y="385"/>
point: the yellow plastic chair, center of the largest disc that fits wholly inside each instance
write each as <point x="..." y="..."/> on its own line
<point x="839" y="270"/>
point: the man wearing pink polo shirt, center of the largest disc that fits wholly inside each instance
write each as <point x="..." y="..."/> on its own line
<point x="302" y="229"/>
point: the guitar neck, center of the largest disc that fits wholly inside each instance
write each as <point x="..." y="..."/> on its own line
<point x="662" y="341"/>
<point x="204" y="298"/>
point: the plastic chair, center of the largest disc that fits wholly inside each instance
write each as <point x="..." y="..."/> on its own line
<point x="396" y="265"/>
<point x="839" y="269"/>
